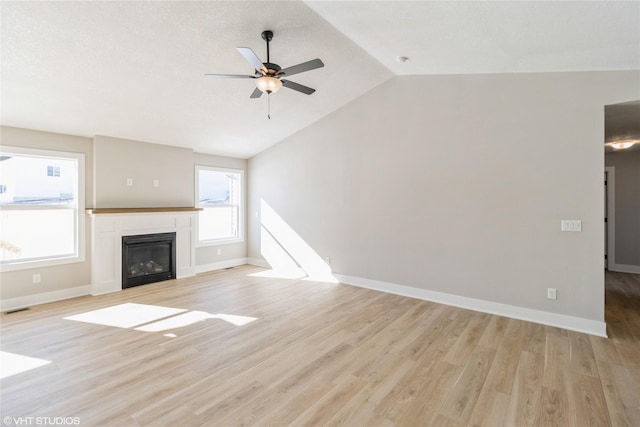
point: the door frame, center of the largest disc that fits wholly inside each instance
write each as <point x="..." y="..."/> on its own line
<point x="610" y="197"/>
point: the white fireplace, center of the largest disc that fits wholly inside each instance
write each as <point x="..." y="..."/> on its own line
<point x="108" y="226"/>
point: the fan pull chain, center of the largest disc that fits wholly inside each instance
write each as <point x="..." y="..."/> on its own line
<point x="269" y="106"/>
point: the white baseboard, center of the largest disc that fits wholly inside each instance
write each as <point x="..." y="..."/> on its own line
<point x="220" y="265"/>
<point x="43" y="298"/>
<point x="622" y="268"/>
<point x="577" y="324"/>
<point x="258" y="262"/>
<point x="572" y="323"/>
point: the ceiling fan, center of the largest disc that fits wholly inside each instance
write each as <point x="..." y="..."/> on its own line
<point x="269" y="76"/>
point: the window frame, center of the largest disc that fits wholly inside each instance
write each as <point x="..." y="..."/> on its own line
<point x="80" y="231"/>
<point x="241" y="208"/>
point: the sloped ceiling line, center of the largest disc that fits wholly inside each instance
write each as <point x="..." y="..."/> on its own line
<point x="135" y="70"/>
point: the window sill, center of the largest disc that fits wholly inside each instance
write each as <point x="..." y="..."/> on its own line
<point x="42" y="263"/>
<point x="208" y="243"/>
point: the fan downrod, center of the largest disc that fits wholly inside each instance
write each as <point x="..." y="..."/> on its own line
<point x="267" y="36"/>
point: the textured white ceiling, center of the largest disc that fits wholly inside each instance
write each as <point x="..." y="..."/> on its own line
<point x="469" y="37"/>
<point x="135" y="69"/>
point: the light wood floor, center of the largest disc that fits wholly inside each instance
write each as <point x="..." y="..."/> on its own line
<point x="320" y="354"/>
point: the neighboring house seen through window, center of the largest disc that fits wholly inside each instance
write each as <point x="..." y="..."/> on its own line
<point x="53" y="170"/>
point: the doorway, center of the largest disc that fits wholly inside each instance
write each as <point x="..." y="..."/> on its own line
<point x="622" y="194"/>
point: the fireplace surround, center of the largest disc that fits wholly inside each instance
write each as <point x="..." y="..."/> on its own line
<point x="109" y="226"/>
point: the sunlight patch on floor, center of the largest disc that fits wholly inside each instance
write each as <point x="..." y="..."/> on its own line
<point x="191" y="318"/>
<point x="235" y="320"/>
<point x="153" y="318"/>
<point x="11" y="363"/>
<point x="127" y="315"/>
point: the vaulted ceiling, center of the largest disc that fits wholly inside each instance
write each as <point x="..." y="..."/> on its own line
<point x="136" y="70"/>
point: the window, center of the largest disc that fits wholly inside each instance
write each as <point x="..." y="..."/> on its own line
<point x="41" y="219"/>
<point x="219" y="194"/>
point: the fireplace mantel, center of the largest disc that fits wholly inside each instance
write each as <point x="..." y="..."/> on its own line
<point x="99" y="211"/>
<point x="108" y="226"/>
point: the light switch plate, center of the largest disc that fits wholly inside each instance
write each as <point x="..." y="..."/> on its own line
<point x="571" y="225"/>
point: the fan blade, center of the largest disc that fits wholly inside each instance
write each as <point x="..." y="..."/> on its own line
<point x="229" y="76"/>
<point x="296" y="86"/>
<point x="301" y="68"/>
<point x="256" y="93"/>
<point x="252" y="58"/>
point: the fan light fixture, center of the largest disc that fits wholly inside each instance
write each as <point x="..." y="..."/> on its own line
<point x="622" y="145"/>
<point x="268" y="84"/>
<point x="268" y="75"/>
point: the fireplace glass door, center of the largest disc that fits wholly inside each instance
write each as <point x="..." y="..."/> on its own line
<point x="148" y="258"/>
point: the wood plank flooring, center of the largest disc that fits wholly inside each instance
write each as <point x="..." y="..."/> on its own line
<point x="316" y="354"/>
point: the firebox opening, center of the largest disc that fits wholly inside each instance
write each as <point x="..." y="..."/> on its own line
<point x="148" y="258"/>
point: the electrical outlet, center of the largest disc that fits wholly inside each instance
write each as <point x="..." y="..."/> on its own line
<point x="219" y="251"/>
<point x="551" y="293"/>
<point x="156" y="183"/>
<point x="36" y="278"/>
<point x="130" y="182"/>
<point x="327" y="259"/>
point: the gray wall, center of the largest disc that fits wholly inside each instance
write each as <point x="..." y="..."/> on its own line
<point x="455" y="184"/>
<point x="174" y="167"/>
<point x="627" y="206"/>
<point x="116" y="160"/>
<point x="19" y="283"/>
<point x="108" y="164"/>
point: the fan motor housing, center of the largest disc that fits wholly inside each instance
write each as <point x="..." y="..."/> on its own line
<point x="272" y="68"/>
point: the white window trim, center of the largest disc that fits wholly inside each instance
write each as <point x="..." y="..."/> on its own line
<point x="240" y="239"/>
<point x="80" y="232"/>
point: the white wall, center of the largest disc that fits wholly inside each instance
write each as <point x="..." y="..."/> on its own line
<point x="455" y="184"/>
